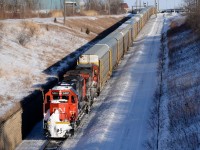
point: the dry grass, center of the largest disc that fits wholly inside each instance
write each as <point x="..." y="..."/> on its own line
<point x="56" y="13"/>
<point x="1" y="26"/>
<point x="31" y="27"/>
<point x="173" y="25"/>
<point x="2" y="99"/>
<point x="10" y="112"/>
<point x="96" y="26"/>
<point x="90" y="13"/>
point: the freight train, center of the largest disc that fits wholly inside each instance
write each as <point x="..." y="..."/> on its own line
<point x="66" y="103"/>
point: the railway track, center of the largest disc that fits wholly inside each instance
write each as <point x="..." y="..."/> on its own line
<point x="53" y="144"/>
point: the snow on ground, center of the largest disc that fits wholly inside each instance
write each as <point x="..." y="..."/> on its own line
<point x="120" y="122"/>
<point x="180" y="99"/>
<point x="22" y="66"/>
<point x="28" y="47"/>
<point x="119" y="115"/>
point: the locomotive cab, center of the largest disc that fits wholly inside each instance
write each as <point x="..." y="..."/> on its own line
<point x="60" y="111"/>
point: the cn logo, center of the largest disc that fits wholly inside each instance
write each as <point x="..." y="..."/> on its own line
<point x="60" y="110"/>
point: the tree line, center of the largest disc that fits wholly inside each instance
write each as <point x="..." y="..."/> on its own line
<point x="193" y="12"/>
<point x="31" y="8"/>
<point x="110" y="6"/>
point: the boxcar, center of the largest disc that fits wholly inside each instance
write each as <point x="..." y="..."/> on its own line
<point x="120" y="44"/>
<point x="125" y="29"/>
<point x="99" y="55"/>
<point x="111" y="42"/>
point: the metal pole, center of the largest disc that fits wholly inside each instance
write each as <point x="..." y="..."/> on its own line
<point x="156" y="8"/>
<point x="73" y="8"/>
<point x="136" y="5"/>
<point x="109" y="6"/>
<point x="89" y="5"/>
<point x="64" y="12"/>
<point x="132" y="9"/>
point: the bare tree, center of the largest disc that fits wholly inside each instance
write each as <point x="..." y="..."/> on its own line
<point x="17" y="8"/>
<point x="193" y="8"/>
<point x="115" y="6"/>
<point x="111" y="6"/>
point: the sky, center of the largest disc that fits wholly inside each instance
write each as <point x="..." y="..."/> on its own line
<point x="163" y="4"/>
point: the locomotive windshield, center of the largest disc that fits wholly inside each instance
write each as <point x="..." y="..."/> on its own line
<point x="60" y="95"/>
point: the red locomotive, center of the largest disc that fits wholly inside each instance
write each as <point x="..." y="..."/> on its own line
<point x="65" y="104"/>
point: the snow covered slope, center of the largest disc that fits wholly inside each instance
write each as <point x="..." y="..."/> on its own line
<point x="28" y="47"/>
<point x="180" y="107"/>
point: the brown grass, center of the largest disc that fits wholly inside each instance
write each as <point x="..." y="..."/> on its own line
<point x="33" y="28"/>
<point x="173" y="24"/>
<point x="1" y="26"/>
<point x="10" y="112"/>
<point x="90" y="13"/>
<point x="79" y="26"/>
<point x="56" y="13"/>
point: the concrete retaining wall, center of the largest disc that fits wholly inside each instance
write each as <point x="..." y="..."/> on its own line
<point x="10" y="132"/>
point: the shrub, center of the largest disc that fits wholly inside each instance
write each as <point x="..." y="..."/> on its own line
<point x="47" y="27"/>
<point x="30" y="27"/>
<point x="55" y="20"/>
<point x="87" y="31"/>
<point x="1" y="26"/>
<point x="23" y="38"/>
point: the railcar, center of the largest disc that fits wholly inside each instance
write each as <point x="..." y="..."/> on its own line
<point x="99" y="55"/>
<point x="111" y="43"/>
<point x="66" y="103"/>
<point x="119" y="37"/>
<point x="125" y="29"/>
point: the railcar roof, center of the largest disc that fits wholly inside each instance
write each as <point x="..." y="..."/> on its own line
<point x="117" y="35"/>
<point x="124" y="28"/>
<point x="110" y="41"/>
<point x="99" y="50"/>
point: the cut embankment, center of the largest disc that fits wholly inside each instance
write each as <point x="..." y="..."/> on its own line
<point x="174" y="118"/>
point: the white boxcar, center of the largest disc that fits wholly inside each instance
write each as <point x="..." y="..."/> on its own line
<point x="125" y="29"/>
<point x="120" y="43"/>
<point x="111" y="42"/>
<point x="131" y="22"/>
<point x="99" y="55"/>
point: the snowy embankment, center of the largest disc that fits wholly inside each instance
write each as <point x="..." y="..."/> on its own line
<point x="180" y="105"/>
<point x="28" y="47"/>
